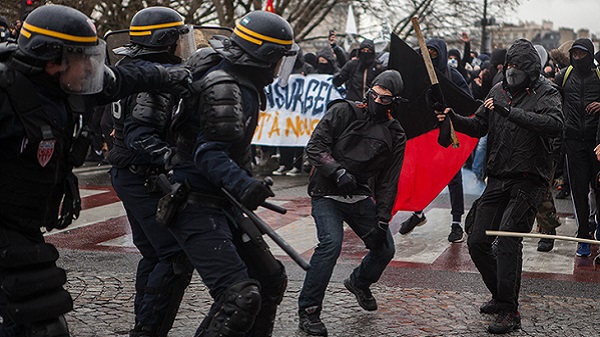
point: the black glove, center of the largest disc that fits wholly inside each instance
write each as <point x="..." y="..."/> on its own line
<point x="176" y="79"/>
<point x="501" y="109"/>
<point x="71" y="203"/>
<point x="256" y="194"/>
<point x="345" y="181"/>
<point x="171" y="159"/>
<point x="377" y="236"/>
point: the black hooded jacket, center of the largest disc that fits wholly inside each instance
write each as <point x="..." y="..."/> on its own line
<point x="337" y="143"/>
<point x="520" y="143"/>
<point x="357" y="77"/>
<point x="441" y="64"/>
<point x="580" y="89"/>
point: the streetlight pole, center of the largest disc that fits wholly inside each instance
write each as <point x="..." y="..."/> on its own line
<point x="484" y="21"/>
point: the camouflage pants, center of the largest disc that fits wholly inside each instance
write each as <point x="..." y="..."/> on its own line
<point x="546" y="217"/>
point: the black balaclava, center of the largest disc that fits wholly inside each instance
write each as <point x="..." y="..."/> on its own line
<point x="366" y="59"/>
<point x="523" y="55"/>
<point x="585" y="64"/>
<point x="392" y="81"/>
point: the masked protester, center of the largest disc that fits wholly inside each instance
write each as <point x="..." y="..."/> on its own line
<point x="581" y="107"/>
<point x="140" y="153"/>
<point x="56" y="74"/>
<point x="357" y="152"/>
<point x="214" y="130"/>
<point x="438" y="51"/>
<point x="521" y="115"/>
<point x="356" y="74"/>
<point x="326" y="63"/>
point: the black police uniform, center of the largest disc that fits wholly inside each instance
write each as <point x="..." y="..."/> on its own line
<point x="215" y="130"/>
<point x="140" y="153"/>
<point x="37" y="122"/>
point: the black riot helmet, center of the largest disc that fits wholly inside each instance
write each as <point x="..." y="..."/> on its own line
<point x="264" y="36"/>
<point x="156" y="27"/>
<point x="67" y="37"/>
<point x="48" y="31"/>
<point x="156" y="30"/>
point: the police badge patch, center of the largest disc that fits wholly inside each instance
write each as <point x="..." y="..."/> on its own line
<point x="45" y="151"/>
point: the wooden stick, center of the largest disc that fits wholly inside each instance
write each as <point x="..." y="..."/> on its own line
<point x="541" y="236"/>
<point x="428" y="64"/>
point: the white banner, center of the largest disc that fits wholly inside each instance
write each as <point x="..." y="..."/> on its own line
<point x="293" y="111"/>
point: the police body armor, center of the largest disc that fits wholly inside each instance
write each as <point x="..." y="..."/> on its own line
<point x="218" y="96"/>
<point x="32" y="189"/>
<point x="153" y="109"/>
<point x="34" y="178"/>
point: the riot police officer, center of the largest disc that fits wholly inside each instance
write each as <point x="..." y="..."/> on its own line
<point x="215" y="129"/>
<point x="140" y="153"/>
<point x="56" y="73"/>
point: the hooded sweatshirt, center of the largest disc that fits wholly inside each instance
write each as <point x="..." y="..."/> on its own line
<point x="441" y="64"/>
<point x="357" y="74"/>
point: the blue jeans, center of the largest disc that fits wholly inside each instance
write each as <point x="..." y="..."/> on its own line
<point x="329" y="216"/>
<point x="479" y="159"/>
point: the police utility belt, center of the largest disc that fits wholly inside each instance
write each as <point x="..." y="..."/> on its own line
<point x="178" y="196"/>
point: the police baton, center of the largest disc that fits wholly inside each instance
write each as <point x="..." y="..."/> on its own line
<point x="265" y="228"/>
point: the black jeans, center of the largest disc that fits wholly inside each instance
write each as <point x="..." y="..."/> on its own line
<point x="582" y="167"/>
<point x="506" y="205"/>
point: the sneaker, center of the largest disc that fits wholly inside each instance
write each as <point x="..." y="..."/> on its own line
<point x="507" y="321"/>
<point x="546" y="245"/>
<point x="281" y="171"/>
<point x="563" y="193"/>
<point x="490" y="307"/>
<point x="363" y="296"/>
<point x="310" y="321"/>
<point x="456" y="234"/>
<point x="583" y="249"/>
<point x="409" y="224"/>
<point x="294" y="172"/>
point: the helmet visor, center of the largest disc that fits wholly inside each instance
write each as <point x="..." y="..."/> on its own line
<point x="186" y="44"/>
<point x="284" y="67"/>
<point x="83" y="69"/>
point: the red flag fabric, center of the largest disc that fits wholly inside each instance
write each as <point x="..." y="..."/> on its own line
<point x="270" y="7"/>
<point x="428" y="168"/>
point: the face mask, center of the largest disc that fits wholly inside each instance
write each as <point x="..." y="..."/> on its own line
<point x="516" y="79"/>
<point x="583" y="65"/>
<point x="452" y="63"/>
<point x="366" y="58"/>
<point x="324" y="68"/>
<point x="376" y="110"/>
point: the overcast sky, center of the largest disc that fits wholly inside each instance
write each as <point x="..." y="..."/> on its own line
<point x="574" y="14"/>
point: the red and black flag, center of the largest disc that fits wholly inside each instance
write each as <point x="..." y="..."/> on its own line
<point x="428" y="167"/>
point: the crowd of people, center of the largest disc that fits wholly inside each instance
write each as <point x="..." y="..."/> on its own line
<point x="178" y="124"/>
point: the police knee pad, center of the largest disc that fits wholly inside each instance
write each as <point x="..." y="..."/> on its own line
<point x="33" y="283"/>
<point x="56" y="327"/>
<point x="238" y="306"/>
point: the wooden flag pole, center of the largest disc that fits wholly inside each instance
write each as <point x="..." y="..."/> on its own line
<point x="541" y="236"/>
<point x="431" y="70"/>
<point x="426" y="57"/>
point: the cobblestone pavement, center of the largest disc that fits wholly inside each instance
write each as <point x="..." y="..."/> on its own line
<point x="413" y="301"/>
<point x="103" y="307"/>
